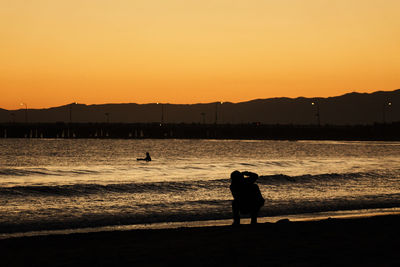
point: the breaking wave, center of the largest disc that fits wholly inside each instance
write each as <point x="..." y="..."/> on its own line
<point x="174" y="187"/>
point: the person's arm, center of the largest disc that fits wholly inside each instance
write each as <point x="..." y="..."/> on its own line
<point x="251" y="176"/>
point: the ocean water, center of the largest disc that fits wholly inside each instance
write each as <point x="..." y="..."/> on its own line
<point x="50" y="184"/>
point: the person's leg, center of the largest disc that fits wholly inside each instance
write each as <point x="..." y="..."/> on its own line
<point x="254" y="218"/>
<point x="254" y="215"/>
<point x="259" y="202"/>
<point x="236" y="213"/>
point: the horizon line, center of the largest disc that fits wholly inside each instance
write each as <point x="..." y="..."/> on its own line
<point x="203" y="103"/>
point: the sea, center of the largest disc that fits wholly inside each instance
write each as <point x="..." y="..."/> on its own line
<point x="87" y="184"/>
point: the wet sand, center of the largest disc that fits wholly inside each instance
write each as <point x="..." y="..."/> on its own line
<point x="370" y="241"/>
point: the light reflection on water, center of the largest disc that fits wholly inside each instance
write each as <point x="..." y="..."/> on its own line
<point x="114" y="161"/>
<point x="75" y="183"/>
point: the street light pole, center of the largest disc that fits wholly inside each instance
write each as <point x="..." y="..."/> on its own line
<point x="26" y="111"/>
<point x="162" y="113"/>
<point x="12" y="117"/>
<point x="70" y="111"/>
<point x="317" y="114"/>
<point x="216" y="111"/>
<point x="384" y="106"/>
<point x="203" y="115"/>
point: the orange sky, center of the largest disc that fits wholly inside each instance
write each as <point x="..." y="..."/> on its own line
<point x="190" y="51"/>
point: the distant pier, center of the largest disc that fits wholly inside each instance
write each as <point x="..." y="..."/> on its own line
<point x="390" y="132"/>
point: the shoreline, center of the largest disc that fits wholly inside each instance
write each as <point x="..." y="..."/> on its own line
<point x="317" y="216"/>
<point x="366" y="241"/>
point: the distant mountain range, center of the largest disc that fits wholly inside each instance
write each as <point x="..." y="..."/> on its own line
<point x="348" y="109"/>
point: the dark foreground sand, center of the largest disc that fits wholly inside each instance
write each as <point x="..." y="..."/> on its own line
<point x="334" y="242"/>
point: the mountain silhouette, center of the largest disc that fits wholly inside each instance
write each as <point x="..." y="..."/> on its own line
<point x="348" y="109"/>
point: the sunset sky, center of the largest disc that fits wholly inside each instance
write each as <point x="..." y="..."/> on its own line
<point x="54" y="52"/>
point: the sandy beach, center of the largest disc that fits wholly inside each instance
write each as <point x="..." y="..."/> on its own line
<point x="370" y="241"/>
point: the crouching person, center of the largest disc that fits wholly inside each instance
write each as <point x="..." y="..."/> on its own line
<point x="247" y="198"/>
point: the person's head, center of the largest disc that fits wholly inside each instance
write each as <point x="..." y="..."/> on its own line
<point x="236" y="176"/>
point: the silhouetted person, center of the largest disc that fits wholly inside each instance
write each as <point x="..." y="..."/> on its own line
<point x="247" y="198"/>
<point x="147" y="158"/>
